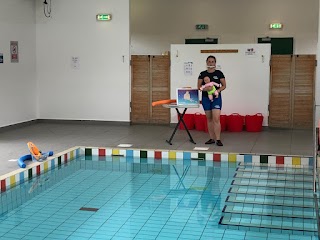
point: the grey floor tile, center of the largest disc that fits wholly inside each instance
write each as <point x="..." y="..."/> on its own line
<point x="61" y="136"/>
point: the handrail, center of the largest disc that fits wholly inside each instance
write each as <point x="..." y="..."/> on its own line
<point x="315" y="172"/>
<point x="316" y="141"/>
<point x="315" y="199"/>
<point x="319" y="183"/>
<point x="315" y="145"/>
<point x="315" y="155"/>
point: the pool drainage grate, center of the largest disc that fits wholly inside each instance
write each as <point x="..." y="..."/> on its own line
<point x="89" y="209"/>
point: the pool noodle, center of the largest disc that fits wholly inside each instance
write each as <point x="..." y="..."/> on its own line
<point x="161" y="102"/>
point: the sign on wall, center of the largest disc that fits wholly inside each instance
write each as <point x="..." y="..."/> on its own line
<point x="188" y="68"/>
<point x="75" y="62"/>
<point x="103" y="17"/>
<point x="14" y="51"/>
<point x="250" y="52"/>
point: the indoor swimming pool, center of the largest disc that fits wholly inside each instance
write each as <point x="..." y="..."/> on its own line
<point x="115" y="197"/>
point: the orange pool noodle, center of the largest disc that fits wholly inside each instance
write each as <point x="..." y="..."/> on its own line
<point x="168" y="101"/>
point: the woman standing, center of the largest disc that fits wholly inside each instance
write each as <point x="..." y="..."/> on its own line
<point x="212" y="108"/>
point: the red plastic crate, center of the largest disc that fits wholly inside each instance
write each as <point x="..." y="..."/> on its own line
<point x="235" y="122"/>
<point x="254" y="122"/>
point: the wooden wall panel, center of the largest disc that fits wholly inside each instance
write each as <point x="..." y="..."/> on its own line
<point x="280" y="93"/>
<point x="140" y="96"/>
<point x="292" y="91"/>
<point x="303" y="87"/>
<point x="160" y="88"/>
<point x="150" y="82"/>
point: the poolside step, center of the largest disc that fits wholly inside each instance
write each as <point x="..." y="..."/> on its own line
<point x="274" y="176"/>
<point x="279" y="168"/>
<point x="271" y="191"/>
<point x="302" y="171"/>
<point x="277" y="201"/>
<point x="270" y="210"/>
<point x="270" y="198"/>
<point x="271" y="183"/>
<point x="270" y="222"/>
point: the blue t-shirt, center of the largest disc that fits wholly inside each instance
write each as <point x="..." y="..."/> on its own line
<point x="214" y="77"/>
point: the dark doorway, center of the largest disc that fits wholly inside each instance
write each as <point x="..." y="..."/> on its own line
<point x="279" y="46"/>
<point x="201" y="41"/>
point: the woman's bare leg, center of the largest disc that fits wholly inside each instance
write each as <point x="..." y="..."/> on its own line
<point x="209" y="115"/>
<point x="216" y="123"/>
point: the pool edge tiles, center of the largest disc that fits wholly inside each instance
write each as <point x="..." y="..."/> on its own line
<point x="16" y="177"/>
<point x="269" y="159"/>
<point x="19" y="176"/>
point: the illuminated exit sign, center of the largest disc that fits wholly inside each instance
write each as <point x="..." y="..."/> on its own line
<point x="202" y="26"/>
<point x="276" y="26"/>
<point x="103" y="17"/>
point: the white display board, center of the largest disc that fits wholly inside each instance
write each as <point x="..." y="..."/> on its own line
<point x="247" y="74"/>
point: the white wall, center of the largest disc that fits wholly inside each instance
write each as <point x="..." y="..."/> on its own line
<point x="247" y="76"/>
<point x="155" y="24"/>
<point x="17" y="80"/>
<point x="100" y="88"/>
<point x="91" y="91"/>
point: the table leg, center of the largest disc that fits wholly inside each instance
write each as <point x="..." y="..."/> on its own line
<point x="185" y="126"/>
<point x="181" y="115"/>
<point x="175" y="129"/>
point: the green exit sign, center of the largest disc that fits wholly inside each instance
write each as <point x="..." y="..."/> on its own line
<point x="201" y="26"/>
<point x="103" y="17"/>
<point x="275" y="26"/>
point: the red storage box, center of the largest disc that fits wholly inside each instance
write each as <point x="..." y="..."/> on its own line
<point x="199" y="121"/>
<point x="188" y="120"/>
<point x="254" y="122"/>
<point x="235" y="122"/>
<point x="223" y="122"/>
<point x="205" y="123"/>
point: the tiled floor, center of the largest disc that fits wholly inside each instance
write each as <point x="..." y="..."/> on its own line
<point x="60" y="136"/>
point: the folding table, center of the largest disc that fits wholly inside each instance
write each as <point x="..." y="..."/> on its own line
<point x="180" y="117"/>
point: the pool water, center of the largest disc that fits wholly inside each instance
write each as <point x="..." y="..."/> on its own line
<point x="119" y="198"/>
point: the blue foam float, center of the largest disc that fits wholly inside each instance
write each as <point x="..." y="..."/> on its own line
<point x="29" y="157"/>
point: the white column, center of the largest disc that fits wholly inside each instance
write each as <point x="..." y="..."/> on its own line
<point x="317" y="82"/>
<point x="317" y="98"/>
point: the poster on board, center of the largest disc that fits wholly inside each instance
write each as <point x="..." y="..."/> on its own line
<point x="188" y="68"/>
<point x="250" y="52"/>
<point x="75" y="62"/>
<point x="14" y="51"/>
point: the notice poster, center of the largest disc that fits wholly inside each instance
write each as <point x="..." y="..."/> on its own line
<point x="14" y="51"/>
<point x="250" y="52"/>
<point x="188" y="68"/>
<point x="75" y="62"/>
